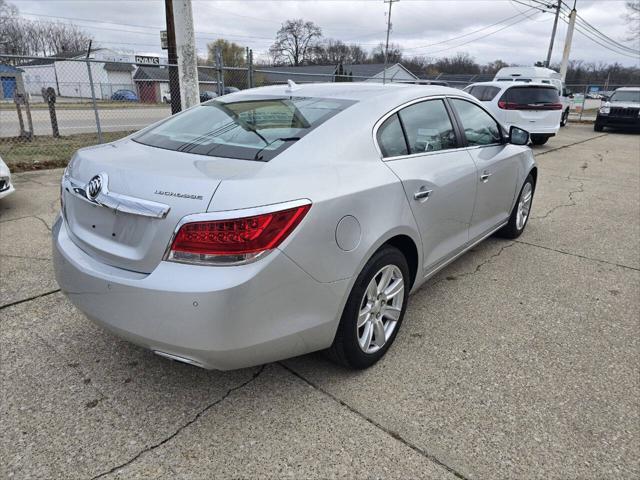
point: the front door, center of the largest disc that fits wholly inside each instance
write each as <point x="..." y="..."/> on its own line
<point x="497" y="169"/>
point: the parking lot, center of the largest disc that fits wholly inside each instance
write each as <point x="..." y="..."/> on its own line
<point x="519" y="360"/>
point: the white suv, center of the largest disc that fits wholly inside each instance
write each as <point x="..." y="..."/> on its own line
<point x="534" y="107"/>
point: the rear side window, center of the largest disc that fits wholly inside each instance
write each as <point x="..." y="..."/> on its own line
<point x="391" y="138"/>
<point x="479" y="127"/>
<point x="428" y="127"/>
<point x="531" y="95"/>
<point x="247" y="128"/>
<point x="484" y="93"/>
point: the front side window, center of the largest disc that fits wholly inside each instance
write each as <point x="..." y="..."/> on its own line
<point x="479" y="127"/>
<point x="249" y="128"/>
<point x="428" y="127"/>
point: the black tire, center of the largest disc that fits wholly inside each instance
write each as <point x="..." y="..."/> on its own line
<point x="598" y="127"/>
<point x="539" y="139"/>
<point x="565" y="118"/>
<point x="511" y="230"/>
<point x="346" y="349"/>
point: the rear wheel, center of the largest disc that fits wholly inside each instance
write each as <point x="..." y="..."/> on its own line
<point x="520" y="213"/>
<point x="565" y="118"/>
<point x="374" y="310"/>
<point x="539" y="139"/>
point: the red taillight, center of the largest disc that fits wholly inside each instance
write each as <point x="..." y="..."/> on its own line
<point x="528" y="106"/>
<point x="234" y="240"/>
<point x="507" y="105"/>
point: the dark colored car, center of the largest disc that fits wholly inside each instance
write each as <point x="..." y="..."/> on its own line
<point x="622" y="109"/>
<point x="125" y="96"/>
<point x="209" y="95"/>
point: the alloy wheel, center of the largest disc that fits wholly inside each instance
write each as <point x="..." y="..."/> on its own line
<point x="380" y="308"/>
<point x="524" y="206"/>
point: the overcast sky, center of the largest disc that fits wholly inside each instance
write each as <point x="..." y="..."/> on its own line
<point x="133" y="25"/>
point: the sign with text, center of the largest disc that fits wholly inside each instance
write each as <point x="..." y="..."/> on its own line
<point x="163" y="40"/>
<point x="147" y="60"/>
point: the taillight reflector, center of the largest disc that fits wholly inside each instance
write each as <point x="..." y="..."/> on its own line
<point x="234" y="240"/>
<point x="528" y="106"/>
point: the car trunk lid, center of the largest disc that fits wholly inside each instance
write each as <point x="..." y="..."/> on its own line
<point x="149" y="190"/>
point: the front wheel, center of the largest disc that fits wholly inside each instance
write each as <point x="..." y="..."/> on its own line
<point x="520" y="213"/>
<point x="374" y="310"/>
<point x="598" y="127"/>
<point x="539" y="139"/>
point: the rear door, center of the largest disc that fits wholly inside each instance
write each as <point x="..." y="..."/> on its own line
<point x="531" y="107"/>
<point x="497" y="169"/>
<point x="421" y="146"/>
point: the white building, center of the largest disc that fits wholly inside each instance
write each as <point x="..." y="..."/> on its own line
<point x="69" y="76"/>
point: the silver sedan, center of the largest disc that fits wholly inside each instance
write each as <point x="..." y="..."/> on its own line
<point x="283" y="220"/>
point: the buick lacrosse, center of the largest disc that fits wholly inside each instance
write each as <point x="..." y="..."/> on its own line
<point x="283" y="220"/>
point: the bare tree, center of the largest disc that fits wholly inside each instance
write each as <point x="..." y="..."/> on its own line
<point x="20" y="36"/>
<point x="394" y="54"/>
<point x="232" y="53"/>
<point x="633" y="19"/>
<point x="295" y="42"/>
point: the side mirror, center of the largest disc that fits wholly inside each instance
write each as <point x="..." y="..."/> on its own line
<point x="518" y="136"/>
<point x="604" y="98"/>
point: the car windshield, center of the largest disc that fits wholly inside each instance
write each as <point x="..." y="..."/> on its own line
<point x="531" y="95"/>
<point x="632" y="96"/>
<point x="249" y="128"/>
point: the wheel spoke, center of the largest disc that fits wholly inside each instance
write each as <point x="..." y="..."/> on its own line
<point x="394" y="289"/>
<point x="392" y="313"/>
<point x="379" y="338"/>
<point x="385" y="279"/>
<point x="372" y="290"/>
<point x="364" y="315"/>
<point x="365" y="339"/>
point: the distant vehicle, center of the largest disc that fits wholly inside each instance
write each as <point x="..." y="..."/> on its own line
<point x="208" y="95"/>
<point x="539" y="75"/>
<point x="6" y="188"/>
<point x="166" y="98"/>
<point x="621" y="109"/>
<point x="534" y="107"/>
<point x="124" y="96"/>
<point x="243" y="231"/>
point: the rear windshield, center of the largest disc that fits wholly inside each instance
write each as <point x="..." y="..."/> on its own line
<point x="626" y="96"/>
<point x="531" y="95"/>
<point x="484" y="93"/>
<point x="249" y="128"/>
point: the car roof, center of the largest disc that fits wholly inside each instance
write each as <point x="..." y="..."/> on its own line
<point x="359" y="91"/>
<point x="509" y="84"/>
<point x="628" y="89"/>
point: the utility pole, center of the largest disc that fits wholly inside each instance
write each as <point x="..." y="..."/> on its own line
<point x="553" y="34"/>
<point x="386" y="46"/>
<point x="186" y="50"/>
<point x="174" y="82"/>
<point x="567" y="43"/>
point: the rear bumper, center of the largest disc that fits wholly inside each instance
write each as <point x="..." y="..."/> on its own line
<point x="537" y="129"/>
<point x="213" y="317"/>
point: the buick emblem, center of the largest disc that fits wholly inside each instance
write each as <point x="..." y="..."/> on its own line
<point x="94" y="187"/>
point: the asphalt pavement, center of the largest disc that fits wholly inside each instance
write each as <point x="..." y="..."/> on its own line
<point x="519" y="360"/>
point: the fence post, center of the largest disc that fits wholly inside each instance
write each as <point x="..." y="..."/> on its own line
<point x="250" y="68"/>
<point x="93" y="96"/>
<point x="584" y="101"/>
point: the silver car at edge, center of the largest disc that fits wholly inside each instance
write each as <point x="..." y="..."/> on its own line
<point x="283" y="220"/>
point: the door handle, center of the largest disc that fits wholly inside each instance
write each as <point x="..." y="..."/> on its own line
<point x="485" y="176"/>
<point x="422" y="194"/>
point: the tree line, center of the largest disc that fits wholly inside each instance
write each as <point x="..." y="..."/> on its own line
<point x="20" y="36"/>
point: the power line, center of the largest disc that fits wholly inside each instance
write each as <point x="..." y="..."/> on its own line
<point x="470" y="33"/>
<point x="483" y="36"/>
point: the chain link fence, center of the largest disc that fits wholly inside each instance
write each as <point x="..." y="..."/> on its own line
<point x="51" y="106"/>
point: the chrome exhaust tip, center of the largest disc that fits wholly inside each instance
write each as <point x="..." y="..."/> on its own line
<point x="178" y="358"/>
